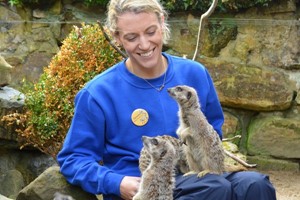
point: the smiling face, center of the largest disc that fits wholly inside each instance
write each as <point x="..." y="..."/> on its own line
<point x="141" y="35"/>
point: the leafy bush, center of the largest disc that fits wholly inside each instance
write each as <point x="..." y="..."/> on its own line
<point x="49" y="104"/>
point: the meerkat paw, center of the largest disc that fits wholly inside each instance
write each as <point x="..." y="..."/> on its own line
<point x="136" y="197"/>
<point x="203" y="173"/>
<point x="189" y="173"/>
<point x="185" y="132"/>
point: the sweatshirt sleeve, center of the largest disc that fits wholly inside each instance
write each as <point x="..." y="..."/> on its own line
<point x="82" y="152"/>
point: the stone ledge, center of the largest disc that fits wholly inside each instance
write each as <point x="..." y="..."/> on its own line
<point x="264" y="163"/>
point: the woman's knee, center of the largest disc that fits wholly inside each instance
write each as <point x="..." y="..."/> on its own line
<point x="252" y="185"/>
<point x="208" y="187"/>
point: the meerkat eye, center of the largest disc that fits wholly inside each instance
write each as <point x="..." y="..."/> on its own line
<point x="179" y="89"/>
<point x="154" y="141"/>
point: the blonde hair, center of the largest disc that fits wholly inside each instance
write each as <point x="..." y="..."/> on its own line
<point x="118" y="7"/>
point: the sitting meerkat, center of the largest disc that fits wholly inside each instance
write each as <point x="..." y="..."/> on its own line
<point x="181" y="165"/>
<point x="203" y="149"/>
<point x="158" y="178"/>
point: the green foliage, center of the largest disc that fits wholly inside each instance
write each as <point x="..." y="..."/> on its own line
<point x="95" y="2"/>
<point x="49" y="103"/>
<point x="86" y="2"/>
<point x="203" y="5"/>
<point x="243" y="4"/>
<point x="173" y="5"/>
<point x="21" y="2"/>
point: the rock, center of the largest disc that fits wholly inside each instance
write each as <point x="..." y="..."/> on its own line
<point x="229" y="146"/>
<point x="4" y="198"/>
<point x="3" y="64"/>
<point x="22" y="42"/>
<point x="267" y="163"/>
<point x="48" y="183"/>
<point x="298" y="98"/>
<point x="282" y="7"/>
<point x="250" y="87"/>
<point x="5" y="75"/>
<point x="30" y="163"/>
<point x="11" y="98"/>
<point x="260" y="40"/>
<point x="11" y="183"/>
<point x="231" y="126"/>
<point x="274" y="136"/>
<point x="232" y="148"/>
<point x="37" y="13"/>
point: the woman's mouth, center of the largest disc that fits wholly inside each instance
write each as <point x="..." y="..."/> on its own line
<point x="147" y="54"/>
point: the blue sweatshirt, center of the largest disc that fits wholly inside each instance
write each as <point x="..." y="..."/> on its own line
<point x="103" y="144"/>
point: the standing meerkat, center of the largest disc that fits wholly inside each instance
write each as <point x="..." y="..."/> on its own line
<point x="158" y="178"/>
<point x="203" y="149"/>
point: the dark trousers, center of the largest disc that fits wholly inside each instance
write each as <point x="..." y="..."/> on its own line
<point x="247" y="185"/>
<point x="229" y="186"/>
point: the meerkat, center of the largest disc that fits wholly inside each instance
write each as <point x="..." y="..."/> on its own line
<point x="158" y="180"/>
<point x="181" y="165"/>
<point x="203" y="149"/>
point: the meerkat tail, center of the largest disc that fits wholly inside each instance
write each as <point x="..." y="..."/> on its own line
<point x="239" y="160"/>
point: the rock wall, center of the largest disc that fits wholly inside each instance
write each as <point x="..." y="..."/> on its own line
<point x="253" y="57"/>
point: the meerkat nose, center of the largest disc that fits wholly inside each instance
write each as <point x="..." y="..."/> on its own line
<point x="144" y="138"/>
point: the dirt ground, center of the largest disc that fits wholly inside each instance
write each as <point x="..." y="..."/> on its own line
<point x="286" y="183"/>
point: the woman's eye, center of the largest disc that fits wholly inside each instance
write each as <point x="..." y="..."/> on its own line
<point x="131" y="39"/>
<point x="151" y="33"/>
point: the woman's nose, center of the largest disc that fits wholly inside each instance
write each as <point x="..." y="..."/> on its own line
<point x="144" y="43"/>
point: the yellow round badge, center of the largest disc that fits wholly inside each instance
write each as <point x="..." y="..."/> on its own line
<point x="139" y="117"/>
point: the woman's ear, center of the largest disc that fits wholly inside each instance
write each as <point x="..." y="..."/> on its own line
<point x="162" y="19"/>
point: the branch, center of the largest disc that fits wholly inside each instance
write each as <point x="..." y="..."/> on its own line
<point x="110" y="42"/>
<point x="232" y="138"/>
<point x="204" y="17"/>
<point x="234" y="157"/>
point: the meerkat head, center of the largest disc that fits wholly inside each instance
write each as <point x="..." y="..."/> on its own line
<point x="183" y="94"/>
<point x="157" y="147"/>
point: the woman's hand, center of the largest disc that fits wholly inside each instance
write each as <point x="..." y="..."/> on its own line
<point x="129" y="187"/>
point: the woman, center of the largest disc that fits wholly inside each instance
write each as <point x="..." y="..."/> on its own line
<point x="129" y="100"/>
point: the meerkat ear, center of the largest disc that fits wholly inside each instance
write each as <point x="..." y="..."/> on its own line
<point x="189" y="95"/>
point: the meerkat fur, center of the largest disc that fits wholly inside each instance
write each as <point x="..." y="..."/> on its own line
<point x="181" y="165"/>
<point x="203" y="149"/>
<point x="158" y="179"/>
